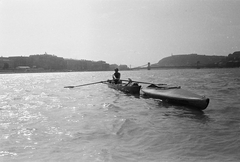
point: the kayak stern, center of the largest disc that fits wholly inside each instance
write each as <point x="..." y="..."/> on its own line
<point x="132" y="89"/>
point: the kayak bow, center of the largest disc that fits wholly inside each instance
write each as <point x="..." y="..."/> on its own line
<point x="177" y="95"/>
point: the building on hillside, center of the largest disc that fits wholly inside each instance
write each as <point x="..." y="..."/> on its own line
<point x="6" y="63"/>
<point x="20" y="61"/>
<point x="23" y="67"/>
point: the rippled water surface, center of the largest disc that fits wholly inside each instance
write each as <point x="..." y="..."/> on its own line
<point x="42" y="121"/>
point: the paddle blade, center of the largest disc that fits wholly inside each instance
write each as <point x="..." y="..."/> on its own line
<point x="69" y="87"/>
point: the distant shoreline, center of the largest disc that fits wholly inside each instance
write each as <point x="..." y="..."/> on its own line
<point x="16" y="71"/>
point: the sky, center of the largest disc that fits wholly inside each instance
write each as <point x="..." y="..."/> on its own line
<point x="130" y="32"/>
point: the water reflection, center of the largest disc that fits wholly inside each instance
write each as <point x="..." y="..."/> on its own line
<point x="198" y="116"/>
<point x="173" y="110"/>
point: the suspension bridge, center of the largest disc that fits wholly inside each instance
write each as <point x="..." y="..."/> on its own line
<point x="146" y="66"/>
<point x="149" y="67"/>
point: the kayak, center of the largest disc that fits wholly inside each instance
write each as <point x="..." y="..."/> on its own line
<point x="132" y="88"/>
<point x="175" y="94"/>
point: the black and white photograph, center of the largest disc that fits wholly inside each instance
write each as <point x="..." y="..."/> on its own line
<point x="119" y="80"/>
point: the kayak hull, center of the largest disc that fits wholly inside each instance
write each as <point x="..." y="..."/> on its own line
<point x="178" y="96"/>
<point x="133" y="89"/>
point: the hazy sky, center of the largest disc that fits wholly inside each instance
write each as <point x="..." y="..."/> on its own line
<point x="131" y="32"/>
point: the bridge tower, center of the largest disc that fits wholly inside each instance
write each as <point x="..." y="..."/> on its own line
<point x="149" y="66"/>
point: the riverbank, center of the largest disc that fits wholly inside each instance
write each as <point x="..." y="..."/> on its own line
<point x="13" y="71"/>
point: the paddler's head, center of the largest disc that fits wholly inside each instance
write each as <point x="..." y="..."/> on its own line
<point x="116" y="70"/>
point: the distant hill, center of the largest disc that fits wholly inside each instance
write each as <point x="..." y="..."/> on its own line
<point x="189" y="60"/>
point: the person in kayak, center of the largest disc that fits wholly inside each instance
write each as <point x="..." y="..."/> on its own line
<point x="116" y="76"/>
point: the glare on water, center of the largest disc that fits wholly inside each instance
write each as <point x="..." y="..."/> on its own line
<point x="42" y="121"/>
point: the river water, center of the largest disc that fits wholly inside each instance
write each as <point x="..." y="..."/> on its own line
<point x="40" y="120"/>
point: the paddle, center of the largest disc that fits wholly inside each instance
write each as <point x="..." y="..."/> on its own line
<point x="141" y="82"/>
<point x="85" y="84"/>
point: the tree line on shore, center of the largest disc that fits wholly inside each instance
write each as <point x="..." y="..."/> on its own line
<point x="199" y="61"/>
